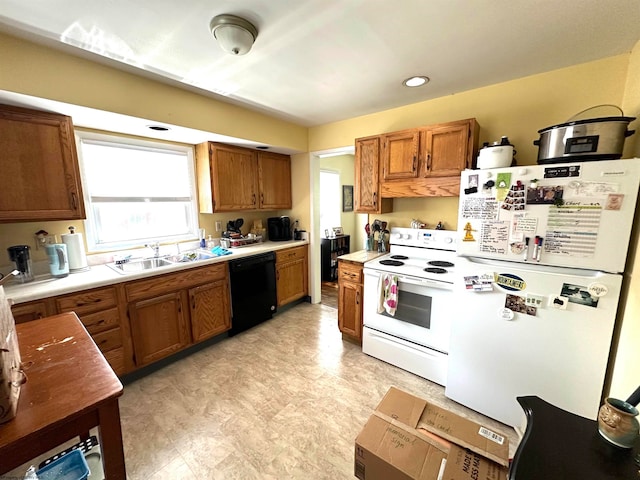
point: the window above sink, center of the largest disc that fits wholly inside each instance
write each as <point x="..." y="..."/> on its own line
<point x="136" y="191"/>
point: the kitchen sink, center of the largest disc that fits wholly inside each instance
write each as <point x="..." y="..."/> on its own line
<point x="190" y="256"/>
<point x="139" y="265"/>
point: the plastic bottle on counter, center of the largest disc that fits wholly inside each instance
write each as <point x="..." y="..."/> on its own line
<point x="210" y="243"/>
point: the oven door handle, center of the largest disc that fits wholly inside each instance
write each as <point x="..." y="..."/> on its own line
<point x="406" y="345"/>
<point x="422" y="282"/>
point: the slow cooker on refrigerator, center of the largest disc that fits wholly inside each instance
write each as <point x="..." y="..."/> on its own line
<point x="582" y="140"/>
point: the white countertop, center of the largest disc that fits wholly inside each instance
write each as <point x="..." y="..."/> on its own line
<point x="361" y="256"/>
<point x="100" y="275"/>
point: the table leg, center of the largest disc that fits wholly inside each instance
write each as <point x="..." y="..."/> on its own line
<point x="111" y="441"/>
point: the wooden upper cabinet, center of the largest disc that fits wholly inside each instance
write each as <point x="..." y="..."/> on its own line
<point x="274" y="180"/>
<point x="233" y="172"/>
<point x="40" y="175"/>
<point x="367" y="165"/>
<point x="400" y="154"/>
<point x="443" y="151"/>
<point x="234" y="178"/>
<point x="446" y="149"/>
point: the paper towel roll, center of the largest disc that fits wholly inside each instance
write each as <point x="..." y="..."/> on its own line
<point x="75" y="252"/>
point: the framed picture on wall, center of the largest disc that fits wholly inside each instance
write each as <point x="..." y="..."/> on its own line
<point x="347" y="198"/>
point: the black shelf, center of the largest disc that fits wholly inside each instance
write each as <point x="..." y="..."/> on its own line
<point x="331" y="249"/>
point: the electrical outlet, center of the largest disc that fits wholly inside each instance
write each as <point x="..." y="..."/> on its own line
<point x="218" y="226"/>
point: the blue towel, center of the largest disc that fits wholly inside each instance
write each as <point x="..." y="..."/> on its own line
<point x="219" y="251"/>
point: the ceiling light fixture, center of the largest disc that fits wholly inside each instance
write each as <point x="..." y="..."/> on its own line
<point x="235" y="35"/>
<point x="417" y="81"/>
<point x="158" y="128"/>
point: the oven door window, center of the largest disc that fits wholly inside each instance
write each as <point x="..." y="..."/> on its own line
<point x="412" y="308"/>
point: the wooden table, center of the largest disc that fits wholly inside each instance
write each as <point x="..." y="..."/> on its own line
<point x="70" y="389"/>
<point x="560" y="445"/>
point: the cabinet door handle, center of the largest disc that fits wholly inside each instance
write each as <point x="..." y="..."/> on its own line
<point x="357" y="298"/>
<point x="414" y="164"/>
<point x="375" y="198"/>
<point x="193" y="303"/>
<point x="94" y="301"/>
<point x="254" y="198"/>
<point x="277" y="274"/>
<point x="262" y="198"/>
<point x="428" y="161"/>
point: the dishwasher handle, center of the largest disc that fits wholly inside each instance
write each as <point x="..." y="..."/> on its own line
<point x="245" y="263"/>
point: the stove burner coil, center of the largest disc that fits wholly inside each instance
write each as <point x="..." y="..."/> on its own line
<point x="399" y="257"/>
<point x="440" y="263"/>
<point x="394" y="263"/>
<point x="435" y="270"/>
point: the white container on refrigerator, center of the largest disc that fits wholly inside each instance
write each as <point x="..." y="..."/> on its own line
<point x="558" y="352"/>
<point x="583" y="212"/>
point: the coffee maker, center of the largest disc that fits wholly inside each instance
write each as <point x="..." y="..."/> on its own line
<point x="21" y="255"/>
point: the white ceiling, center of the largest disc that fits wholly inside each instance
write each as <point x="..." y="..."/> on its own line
<point x="319" y="61"/>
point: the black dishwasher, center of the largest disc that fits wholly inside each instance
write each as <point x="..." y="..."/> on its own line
<point x="253" y="291"/>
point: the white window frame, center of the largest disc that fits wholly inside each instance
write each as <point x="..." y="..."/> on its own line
<point x="93" y="244"/>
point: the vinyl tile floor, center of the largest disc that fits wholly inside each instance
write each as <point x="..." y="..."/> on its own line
<point x="284" y="400"/>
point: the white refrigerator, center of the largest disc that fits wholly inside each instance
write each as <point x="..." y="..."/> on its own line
<point x="542" y="250"/>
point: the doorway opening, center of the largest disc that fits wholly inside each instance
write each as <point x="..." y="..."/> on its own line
<point x="329" y="218"/>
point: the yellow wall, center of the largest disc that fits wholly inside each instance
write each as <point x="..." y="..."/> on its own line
<point x="39" y="71"/>
<point x="518" y="109"/>
<point x="345" y="168"/>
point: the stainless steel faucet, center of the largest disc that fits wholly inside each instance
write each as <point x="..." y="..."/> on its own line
<point x="155" y="247"/>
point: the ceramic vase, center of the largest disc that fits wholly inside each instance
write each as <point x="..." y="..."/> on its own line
<point x="617" y="422"/>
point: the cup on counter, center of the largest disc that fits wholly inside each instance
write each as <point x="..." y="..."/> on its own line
<point x="58" y="259"/>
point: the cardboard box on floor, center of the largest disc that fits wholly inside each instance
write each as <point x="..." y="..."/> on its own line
<point x="408" y="438"/>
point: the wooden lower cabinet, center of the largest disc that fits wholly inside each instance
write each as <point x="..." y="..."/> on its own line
<point x="210" y="310"/>
<point x="170" y="312"/>
<point x="99" y="311"/>
<point x="350" y="290"/>
<point x="158" y="327"/>
<point x="25" y="312"/>
<point x="291" y="274"/>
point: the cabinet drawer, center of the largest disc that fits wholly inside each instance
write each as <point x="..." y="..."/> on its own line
<point x="100" y="321"/>
<point x="25" y="312"/>
<point x="172" y="282"/>
<point x="349" y="272"/>
<point x="108" y="340"/>
<point x="291" y="254"/>
<point x="88" y="301"/>
<point x="116" y="360"/>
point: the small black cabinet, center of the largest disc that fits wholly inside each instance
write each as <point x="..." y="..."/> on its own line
<point x="331" y="249"/>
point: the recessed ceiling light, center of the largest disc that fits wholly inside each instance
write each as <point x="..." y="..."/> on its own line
<point x="263" y="147"/>
<point x="158" y="128"/>
<point x="415" y="81"/>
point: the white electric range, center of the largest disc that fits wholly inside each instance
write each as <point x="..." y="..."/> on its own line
<point x="416" y="336"/>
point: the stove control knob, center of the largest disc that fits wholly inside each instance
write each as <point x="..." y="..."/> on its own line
<point x="399" y="235"/>
<point x="448" y="240"/>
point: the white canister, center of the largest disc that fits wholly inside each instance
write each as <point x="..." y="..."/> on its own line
<point x="75" y="251"/>
<point x="498" y="156"/>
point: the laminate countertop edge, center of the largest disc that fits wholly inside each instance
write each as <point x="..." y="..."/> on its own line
<point x="45" y="286"/>
<point x="360" y="256"/>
